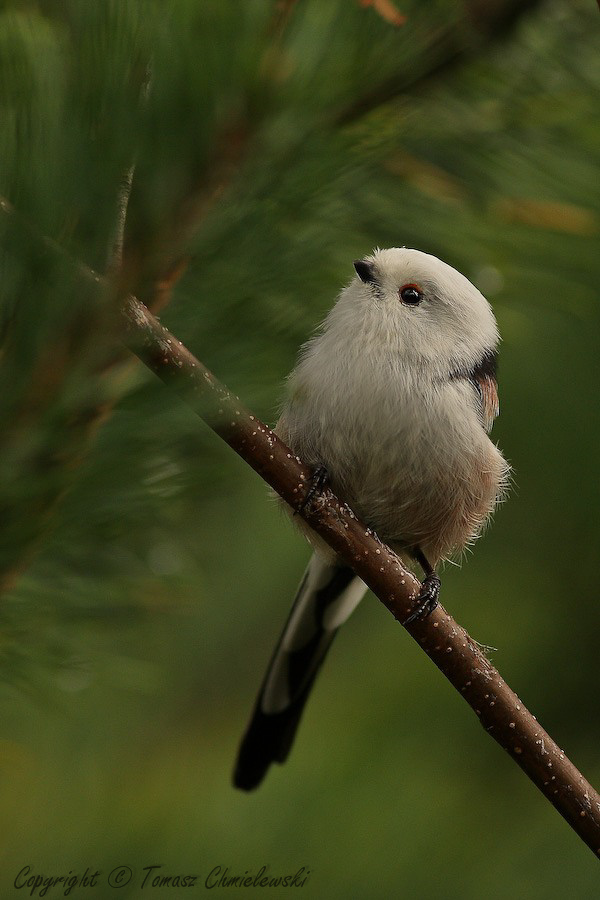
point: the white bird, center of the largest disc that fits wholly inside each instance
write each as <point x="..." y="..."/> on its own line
<point x="393" y="399"/>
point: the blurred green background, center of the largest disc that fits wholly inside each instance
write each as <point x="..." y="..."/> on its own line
<point x="146" y="570"/>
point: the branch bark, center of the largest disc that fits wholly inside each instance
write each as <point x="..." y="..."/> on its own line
<point x="498" y="708"/>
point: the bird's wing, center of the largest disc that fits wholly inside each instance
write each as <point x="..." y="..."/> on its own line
<point x="483" y="378"/>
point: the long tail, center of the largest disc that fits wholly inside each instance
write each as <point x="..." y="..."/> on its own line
<point x="326" y="597"/>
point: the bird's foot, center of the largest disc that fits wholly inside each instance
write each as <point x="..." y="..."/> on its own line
<point x="427" y="600"/>
<point x="318" y="480"/>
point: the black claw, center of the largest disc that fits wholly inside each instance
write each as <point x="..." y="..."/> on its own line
<point x="427" y="600"/>
<point x="318" y="480"/>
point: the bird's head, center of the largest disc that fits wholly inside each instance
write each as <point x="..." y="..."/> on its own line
<point x="422" y="305"/>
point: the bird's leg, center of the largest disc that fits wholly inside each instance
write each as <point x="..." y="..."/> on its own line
<point x="427" y="600"/>
<point x="318" y="480"/>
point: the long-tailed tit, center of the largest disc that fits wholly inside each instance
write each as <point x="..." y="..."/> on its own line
<point x="393" y="398"/>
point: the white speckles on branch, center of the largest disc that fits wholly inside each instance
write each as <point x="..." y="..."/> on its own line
<point x="484" y="673"/>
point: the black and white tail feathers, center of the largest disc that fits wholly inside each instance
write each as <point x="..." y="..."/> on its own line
<point x="327" y="595"/>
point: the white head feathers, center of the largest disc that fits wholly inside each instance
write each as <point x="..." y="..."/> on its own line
<point x="443" y="319"/>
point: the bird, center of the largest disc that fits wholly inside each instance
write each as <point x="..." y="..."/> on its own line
<point x="391" y="403"/>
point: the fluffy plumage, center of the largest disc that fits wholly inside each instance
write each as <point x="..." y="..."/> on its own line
<point x="395" y="399"/>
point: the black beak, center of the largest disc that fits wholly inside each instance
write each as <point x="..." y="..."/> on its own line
<point x="365" y="271"/>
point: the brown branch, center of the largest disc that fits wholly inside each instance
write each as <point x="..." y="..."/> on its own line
<point x="500" y="711"/>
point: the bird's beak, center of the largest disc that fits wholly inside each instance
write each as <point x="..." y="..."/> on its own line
<point x="365" y="271"/>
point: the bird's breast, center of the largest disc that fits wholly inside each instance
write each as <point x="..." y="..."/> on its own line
<point x="409" y="455"/>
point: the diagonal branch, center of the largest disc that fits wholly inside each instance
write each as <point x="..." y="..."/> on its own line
<point x="498" y="708"/>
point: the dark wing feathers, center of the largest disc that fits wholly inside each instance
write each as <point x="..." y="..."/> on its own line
<point x="483" y="378"/>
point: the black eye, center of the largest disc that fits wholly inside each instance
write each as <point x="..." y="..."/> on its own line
<point x="410" y="294"/>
